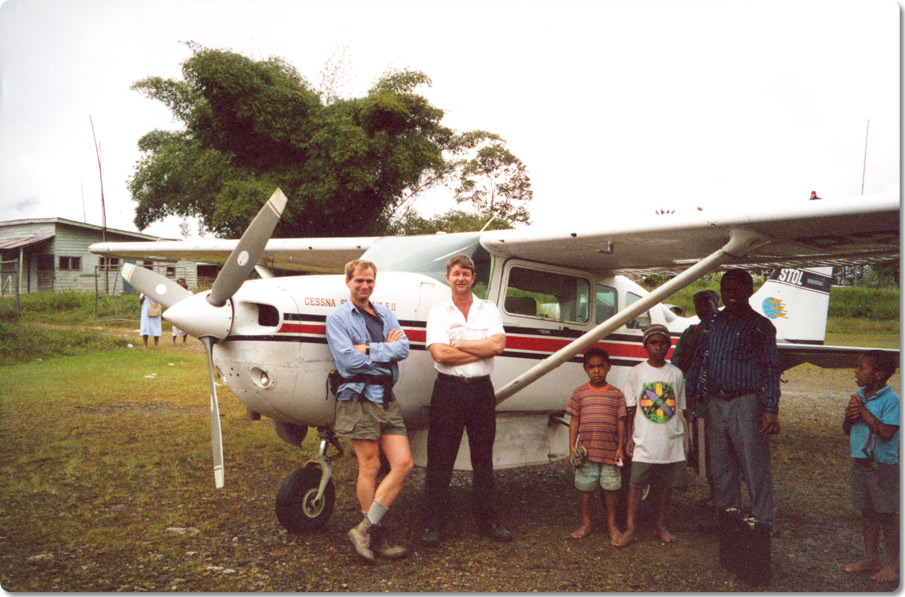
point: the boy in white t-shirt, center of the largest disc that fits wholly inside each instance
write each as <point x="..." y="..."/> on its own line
<point x="655" y="433"/>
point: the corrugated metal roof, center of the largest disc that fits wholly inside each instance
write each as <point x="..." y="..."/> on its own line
<point x="18" y="242"/>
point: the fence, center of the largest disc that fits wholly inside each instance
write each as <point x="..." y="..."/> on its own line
<point x="9" y="284"/>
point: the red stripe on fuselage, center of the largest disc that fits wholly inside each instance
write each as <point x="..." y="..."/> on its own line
<point x="550" y="345"/>
<point x="302" y="328"/>
<point x="516" y="343"/>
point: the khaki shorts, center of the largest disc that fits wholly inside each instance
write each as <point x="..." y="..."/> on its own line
<point x="363" y="419"/>
<point x="671" y="475"/>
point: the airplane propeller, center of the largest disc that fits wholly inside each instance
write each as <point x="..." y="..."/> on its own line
<point x="249" y="250"/>
<point x="159" y="288"/>
<point x="210" y="319"/>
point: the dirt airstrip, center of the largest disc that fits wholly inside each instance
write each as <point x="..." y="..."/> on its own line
<point x="247" y="550"/>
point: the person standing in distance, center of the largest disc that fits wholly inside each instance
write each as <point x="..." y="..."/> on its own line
<point x="367" y="343"/>
<point x="464" y="333"/>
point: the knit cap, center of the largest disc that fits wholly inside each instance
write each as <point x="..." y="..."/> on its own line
<point x="652" y="330"/>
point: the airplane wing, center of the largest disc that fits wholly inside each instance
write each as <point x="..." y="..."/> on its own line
<point x="855" y="230"/>
<point x="319" y="255"/>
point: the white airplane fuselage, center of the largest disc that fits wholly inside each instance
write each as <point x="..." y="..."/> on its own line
<point x="276" y="359"/>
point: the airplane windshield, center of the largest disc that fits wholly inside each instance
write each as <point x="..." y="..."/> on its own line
<point x="428" y="255"/>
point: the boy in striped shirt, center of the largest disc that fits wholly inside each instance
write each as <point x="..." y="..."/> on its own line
<point x="597" y="428"/>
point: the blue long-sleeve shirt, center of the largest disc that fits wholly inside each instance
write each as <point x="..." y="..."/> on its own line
<point x="346" y="327"/>
<point x="738" y="354"/>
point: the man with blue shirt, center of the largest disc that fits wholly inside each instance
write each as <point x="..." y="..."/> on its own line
<point x="367" y="343"/>
<point x="736" y="373"/>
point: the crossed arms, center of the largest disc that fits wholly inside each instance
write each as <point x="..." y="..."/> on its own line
<point x="462" y="352"/>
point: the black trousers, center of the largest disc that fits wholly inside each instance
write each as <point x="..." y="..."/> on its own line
<point x="457" y="405"/>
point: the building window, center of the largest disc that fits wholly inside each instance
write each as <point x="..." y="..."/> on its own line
<point x="108" y="261"/>
<point x="171" y="271"/>
<point x="71" y="263"/>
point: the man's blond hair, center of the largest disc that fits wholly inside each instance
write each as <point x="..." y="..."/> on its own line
<point x="359" y="264"/>
<point x="463" y="261"/>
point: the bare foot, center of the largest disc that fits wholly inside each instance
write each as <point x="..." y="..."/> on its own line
<point x="865" y="565"/>
<point x="581" y="532"/>
<point x="665" y="536"/>
<point x="887" y="573"/>
<point x="625" y="539"/>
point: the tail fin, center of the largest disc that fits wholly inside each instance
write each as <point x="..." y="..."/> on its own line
<point x="797" y="302"/>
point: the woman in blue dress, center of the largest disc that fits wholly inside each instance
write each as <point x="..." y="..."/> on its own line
<point x="150" y="326"/>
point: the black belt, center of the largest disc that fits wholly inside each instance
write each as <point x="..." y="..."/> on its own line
<point x="465" y="380"/>
<point x="386" y="381"/>
<point x="727" y="396"/>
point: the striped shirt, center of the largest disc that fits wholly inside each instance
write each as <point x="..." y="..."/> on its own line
<point x="737" y="355"/>
<point x="598" y="411"/>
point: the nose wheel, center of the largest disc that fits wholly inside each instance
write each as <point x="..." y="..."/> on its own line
<point x="306" y="498"/>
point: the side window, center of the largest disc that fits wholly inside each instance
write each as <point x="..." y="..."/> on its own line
<point x="547" y="295"/>
<point x="642" y="320"/>
<point x="606" y="303"/>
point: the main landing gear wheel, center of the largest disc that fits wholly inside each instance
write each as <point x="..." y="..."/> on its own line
<point x="298" y="508"/>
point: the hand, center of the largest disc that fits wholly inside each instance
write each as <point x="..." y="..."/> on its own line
<point x="853" y="408"/>
<point x="362" y="348"/>
<point x="394" y="335"/>
<point x="769" y="423"/>
<point x="620" y="454"/>
<point x="629" y="447"/>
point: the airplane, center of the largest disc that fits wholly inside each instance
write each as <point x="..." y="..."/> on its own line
<point x="559" y="292"/>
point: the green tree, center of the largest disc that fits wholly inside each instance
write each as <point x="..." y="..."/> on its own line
<point x="490" y="178"/>
<point x="251" y="126"/>
<point x="454" y="220"/>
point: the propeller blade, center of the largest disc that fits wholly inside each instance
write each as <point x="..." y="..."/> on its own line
<point x="249" y="250"/>
<point x="216" y="436"/>
<point x="159" y="288"/>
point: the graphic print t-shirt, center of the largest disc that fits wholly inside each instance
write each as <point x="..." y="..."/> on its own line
<point x="659" y="395"/>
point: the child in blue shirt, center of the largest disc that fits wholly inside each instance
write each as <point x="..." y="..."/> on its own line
<point x="872" y="422"/>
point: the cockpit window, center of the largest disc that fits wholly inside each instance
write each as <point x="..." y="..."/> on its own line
<point x="548" y="295"/>
<point x="428" y="255"/>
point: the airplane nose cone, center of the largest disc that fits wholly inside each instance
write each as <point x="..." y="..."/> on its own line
<point x="198" y="318"/>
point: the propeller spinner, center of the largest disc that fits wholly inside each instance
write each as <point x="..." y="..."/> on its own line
<point x="207" y="315"/>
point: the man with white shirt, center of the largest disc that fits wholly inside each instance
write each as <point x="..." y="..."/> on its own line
<point x="463" y="335"/>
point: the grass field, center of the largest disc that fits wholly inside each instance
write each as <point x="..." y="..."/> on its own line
<point x="103" y="452"/>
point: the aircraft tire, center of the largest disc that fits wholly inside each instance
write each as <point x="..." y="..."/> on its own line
<point x="295" y="506"/>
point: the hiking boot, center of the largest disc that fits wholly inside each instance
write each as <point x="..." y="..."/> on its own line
<point x="382" y="548"/>
<point x="360" y="536"/>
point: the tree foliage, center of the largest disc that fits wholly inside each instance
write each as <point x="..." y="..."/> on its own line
<point x="454" y="220"/>
<point x="490" y="178"/>
<point x="251" y="126"/>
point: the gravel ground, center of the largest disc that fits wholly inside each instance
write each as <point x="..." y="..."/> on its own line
<point x="817" y="531"/>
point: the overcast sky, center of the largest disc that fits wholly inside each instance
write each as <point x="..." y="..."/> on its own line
<point x="614" y="106"/>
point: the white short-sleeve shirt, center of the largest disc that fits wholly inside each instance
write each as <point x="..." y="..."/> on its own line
<point x="446" y="323"/>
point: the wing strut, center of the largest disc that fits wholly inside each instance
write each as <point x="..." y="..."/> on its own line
<point x="740" y="242"/>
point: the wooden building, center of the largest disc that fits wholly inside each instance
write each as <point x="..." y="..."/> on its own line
<point x="51" y="255"/>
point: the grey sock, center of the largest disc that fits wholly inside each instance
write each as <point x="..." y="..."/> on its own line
<point x="376" y="512"/>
